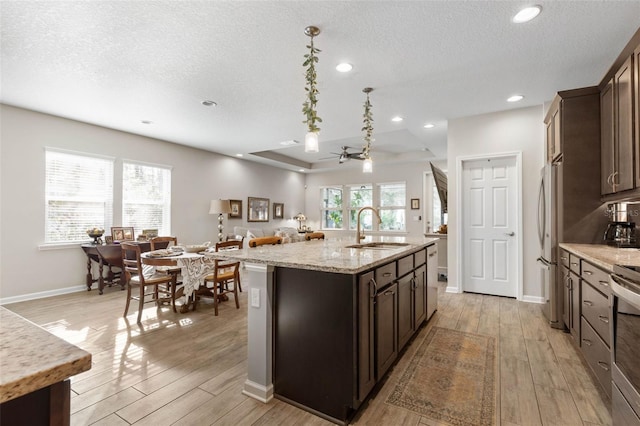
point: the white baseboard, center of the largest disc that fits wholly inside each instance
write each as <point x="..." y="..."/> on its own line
<point x="42" y="294"/>
<point x="451" y="289"/>
<point x="533" y="299"/>
<point x="257" y="391"/>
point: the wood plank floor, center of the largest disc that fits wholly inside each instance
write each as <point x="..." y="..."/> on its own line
<point x="189" y="369"/>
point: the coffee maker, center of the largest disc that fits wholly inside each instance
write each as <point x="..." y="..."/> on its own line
<point x="620" y="231"/>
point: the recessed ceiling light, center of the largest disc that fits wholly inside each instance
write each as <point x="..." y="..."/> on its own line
<point x="515" y="98"/>
<point x="527" y="14"/>
<point x="397" y="118"/>
<point x="146" y="121"/>
<point x="239" y="155"/>
<point x="344" y="67"/>
<point x="290" y="142"/>
<point x="209" y="103"/>
<point x="429" y="126"/>
<point x="301" y="170"/>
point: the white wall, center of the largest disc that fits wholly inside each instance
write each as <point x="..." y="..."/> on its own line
<point x="507" y="131"/>
<point x="197" y="177"/>
<point x="411" y="173"/>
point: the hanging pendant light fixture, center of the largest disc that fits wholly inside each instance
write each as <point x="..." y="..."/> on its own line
<point x="309" y="105"/>
<point x="367" y="165"/>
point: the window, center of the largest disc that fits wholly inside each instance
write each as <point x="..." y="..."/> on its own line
<point x="78" y="195"/>
<point x="360" y="196"/>
<point x="331" y="213"/>
<point x="389" y="199"/>
<point x="146" y="197"/>
<point x="393" y="200"/>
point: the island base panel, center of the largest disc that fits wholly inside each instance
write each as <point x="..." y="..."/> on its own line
<point x="48" y="406"/>
<point x="315" y="340"/>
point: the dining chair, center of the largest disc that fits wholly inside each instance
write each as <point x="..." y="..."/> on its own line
<point x="261" y="241"/>
<point x="225" y="278"/>
<point x="314" y="236"/>
<point x="164" y="243"/>
<point x="151" y="284"/>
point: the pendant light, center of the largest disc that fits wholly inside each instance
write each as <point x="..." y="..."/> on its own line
<point x="309" y="105"/>
<point x="367" y="165"/>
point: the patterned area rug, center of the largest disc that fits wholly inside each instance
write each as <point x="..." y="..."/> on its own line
<point x="451" y="378"/>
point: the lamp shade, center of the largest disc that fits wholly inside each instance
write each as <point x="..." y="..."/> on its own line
<point x="219" y="207"/>
<point x="311" y="142"/>
<point x="367" y="165"/>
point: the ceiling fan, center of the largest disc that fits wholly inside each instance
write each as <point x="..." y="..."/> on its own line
<point x="345" y="155"/>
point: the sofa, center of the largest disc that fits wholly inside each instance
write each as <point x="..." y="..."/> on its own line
<point x="288" y="234"/>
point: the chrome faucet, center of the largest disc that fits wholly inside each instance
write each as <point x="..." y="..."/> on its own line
<point x="360" y="234"/>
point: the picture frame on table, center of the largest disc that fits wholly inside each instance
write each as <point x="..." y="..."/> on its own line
<point x="108" y="239"/>
<point x="122" y="233"/>
<point x="236" y="208"/>
<point x="278" y="210"/>
<point x="415" y="203"/>
<point x="257" y="209"/>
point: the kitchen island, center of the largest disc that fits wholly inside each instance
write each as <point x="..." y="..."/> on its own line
<point x="328" y="318"/>
<point x="34" y="369"/>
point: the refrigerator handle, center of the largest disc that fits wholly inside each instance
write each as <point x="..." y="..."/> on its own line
<point x="542" y="208"/>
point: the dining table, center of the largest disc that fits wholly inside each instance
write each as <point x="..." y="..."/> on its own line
<point x="194" y="267"/>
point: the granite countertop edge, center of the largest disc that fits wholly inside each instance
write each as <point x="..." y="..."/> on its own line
<point x="326" y="255"/>
<point x="31" y="358"/>
<point x="604" y="256"/>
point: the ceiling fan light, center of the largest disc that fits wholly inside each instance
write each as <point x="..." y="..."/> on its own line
<point x="311" y="142"/>
<point x="527" y="14"/>
<point x="367" y="165"/>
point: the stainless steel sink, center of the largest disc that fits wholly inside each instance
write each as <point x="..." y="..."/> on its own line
<point x="378" y="245"/>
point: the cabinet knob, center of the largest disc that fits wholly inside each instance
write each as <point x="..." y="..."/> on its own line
<point x="603" y="319"/>
<point x="603" y="365"/>
<point x="587" y="302"/>
<point x="386" y="274"/>
<point x="604" y="283"/>
<point x="587" y="342"/>
<point x="588" y="272"/>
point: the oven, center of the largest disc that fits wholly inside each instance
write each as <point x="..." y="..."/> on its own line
<point x="625" y="344"/>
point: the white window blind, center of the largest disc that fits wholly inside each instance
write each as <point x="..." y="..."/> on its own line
<point x="146" y="197"/>
<point x="78" y="195"/>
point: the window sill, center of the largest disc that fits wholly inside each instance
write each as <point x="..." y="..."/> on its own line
<point x="60" y="246"/>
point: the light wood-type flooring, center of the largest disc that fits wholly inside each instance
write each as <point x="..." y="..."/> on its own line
<point x="189" y="369"/>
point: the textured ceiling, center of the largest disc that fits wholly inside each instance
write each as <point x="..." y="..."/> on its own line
<point x="119" y="62"/>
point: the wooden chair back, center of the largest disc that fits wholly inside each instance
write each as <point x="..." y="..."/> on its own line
<point x="163" y="242"/>
<point x="131" y="262"/>
<point x="260" y="241"/>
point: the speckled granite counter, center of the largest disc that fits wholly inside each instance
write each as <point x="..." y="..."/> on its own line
<point x="331" y="255"/>
<point x="604" y="256"/>
<point x="31" y="358"/>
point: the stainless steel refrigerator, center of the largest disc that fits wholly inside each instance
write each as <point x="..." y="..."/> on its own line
<point x="547" y="233"/>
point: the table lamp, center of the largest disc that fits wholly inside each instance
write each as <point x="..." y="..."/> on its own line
<point x="220" y="207"/>
<point x="300" y="218"/>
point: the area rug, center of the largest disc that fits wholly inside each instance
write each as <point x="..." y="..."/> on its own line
<point x="451" y="378"/>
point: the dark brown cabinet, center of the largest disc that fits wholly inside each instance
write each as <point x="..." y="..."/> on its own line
<point x="366" y="327"/>
<point x="420" y="296"/>
<point x="618" y="145"/>
<point x="554" y="137"/>
<point x="386" y="320"/>
<point x="405" y="309"/>
<point x="432" y="280"/>
<point x="636" y="96"/>
<point x="571" y="301"/>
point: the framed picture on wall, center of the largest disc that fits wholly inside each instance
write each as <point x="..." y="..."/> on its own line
<point x="236" y="208"/>
<point x="257" y="209"/>
<point x="278" y="210"/>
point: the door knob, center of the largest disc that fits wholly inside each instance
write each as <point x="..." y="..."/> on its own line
<point x="509" y="234"/>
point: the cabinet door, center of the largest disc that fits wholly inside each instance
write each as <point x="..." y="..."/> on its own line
<point x="557" y="132"/>
<point x="432" y="280"/>
<point x="574" y="327"/>
<point x="565" y="281"/>
<point x="366" y="354"/>
<point x="607" y="151"/>
<point x="405" y="314"/>
<point x="386" y="320"/>
<point x="623" y="110"/>
<point x="419" y="296"/>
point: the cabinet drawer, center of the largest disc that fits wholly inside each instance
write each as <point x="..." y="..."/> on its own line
<point x="420" y="257"/>
<point x="574" y="263"/>
<point x="595" y="309"/>
<point x="597" y="355"/>
<point x="595" y="276"/>
<point x="564" y="258"/>
<point x="385" y="274"/>
<point x="405" y="265"/>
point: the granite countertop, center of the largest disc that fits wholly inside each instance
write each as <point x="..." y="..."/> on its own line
<point x="330" y="255"/>
<point x="604" y="256"/>
<point x="31" y="358"/>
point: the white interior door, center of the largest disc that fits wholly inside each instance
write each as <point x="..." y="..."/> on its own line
<point x="490" y="222"/>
